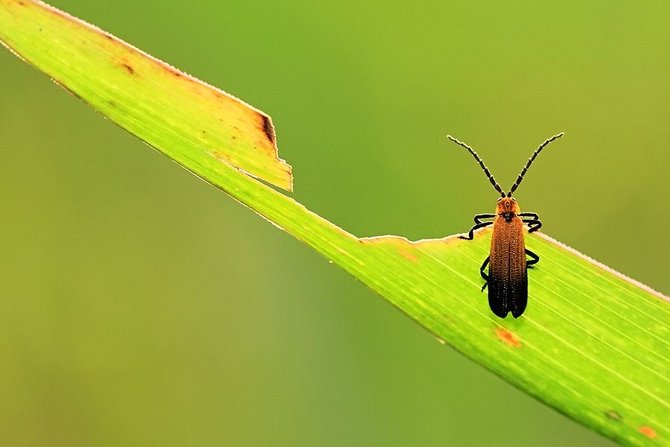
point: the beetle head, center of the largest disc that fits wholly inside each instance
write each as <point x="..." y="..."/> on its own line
<point x="507" y="205"/>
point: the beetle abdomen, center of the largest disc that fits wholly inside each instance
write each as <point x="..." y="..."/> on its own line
<point x="508" y="279"/>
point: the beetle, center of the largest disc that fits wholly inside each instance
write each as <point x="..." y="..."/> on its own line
<point x="507" y="277"/>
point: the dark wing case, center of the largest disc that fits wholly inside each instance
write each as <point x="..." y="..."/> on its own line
<point x="508" y="279"/>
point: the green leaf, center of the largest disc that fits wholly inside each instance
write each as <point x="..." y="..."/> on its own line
<point x="593" y="344"/>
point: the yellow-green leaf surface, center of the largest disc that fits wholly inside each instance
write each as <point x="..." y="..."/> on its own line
<point x="592" y="343"/>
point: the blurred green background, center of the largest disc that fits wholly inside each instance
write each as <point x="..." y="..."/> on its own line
<point x="141" y="306"/>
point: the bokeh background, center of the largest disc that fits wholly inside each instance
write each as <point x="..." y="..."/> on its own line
<point x="140" y="306"/>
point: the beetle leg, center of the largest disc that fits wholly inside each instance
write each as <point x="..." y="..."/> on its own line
<point x="471" y="234"/>
<point x="533" y="261"/>
<point x="484" y="275"/>
<point x="533" y="225"/>
<point x="479" y="217"/>
<point x="532" y="220"/>
<point x="479" y="223"/>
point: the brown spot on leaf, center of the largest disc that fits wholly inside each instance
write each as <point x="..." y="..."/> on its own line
<point x="223" y="156"/>
<point x="508" y="337"/>
<point x="647" y="431"/>
<point x="614" y="415"/>
<point x="129" y="68"/>
<point x="267" y="127"/>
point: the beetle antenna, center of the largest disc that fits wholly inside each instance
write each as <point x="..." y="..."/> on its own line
<point x="481" y="163"/>
<point x="530" y="161"/>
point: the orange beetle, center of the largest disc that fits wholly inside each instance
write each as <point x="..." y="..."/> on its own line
<point x="507" y="277"/>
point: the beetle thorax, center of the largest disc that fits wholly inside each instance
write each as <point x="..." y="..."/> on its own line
<point x="507" y="208"/>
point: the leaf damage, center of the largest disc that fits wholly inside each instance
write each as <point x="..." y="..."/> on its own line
<point x="241" y="130"/>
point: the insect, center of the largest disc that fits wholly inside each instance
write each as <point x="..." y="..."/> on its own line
<point x="507" y="277"/>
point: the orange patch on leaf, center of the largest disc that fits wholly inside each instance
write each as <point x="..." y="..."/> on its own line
<point x="507" y="337"/>
<point x="647" y="431"/>
<point x="407" y="254"/>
